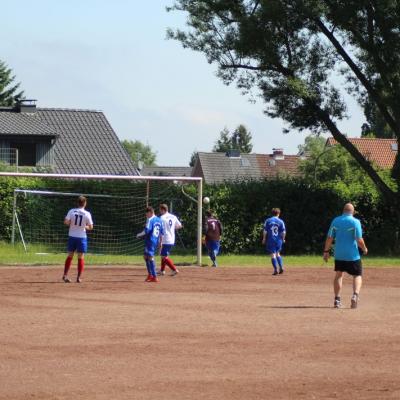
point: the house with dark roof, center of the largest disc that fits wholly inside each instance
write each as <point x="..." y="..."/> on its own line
<point x="381" y="152"/>
<point x="217" y="168"/>
<point x="166" y="171"/>
<point x="66" y="141"/>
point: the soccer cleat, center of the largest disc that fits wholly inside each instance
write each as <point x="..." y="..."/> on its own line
<point x="354" y="301"/>
<point x="173" y="273"/>
<point x="337" y="304"/>
<point x="281" y="270"/>
<point x="78" y="280"/>
<point x="148" y="279"/>
<point x="161" y="272"/>
<point x="275" y="273"/>
<point x="66" y="279"/>
<point x="214" y="264"/>
<point x="153" y="279"/>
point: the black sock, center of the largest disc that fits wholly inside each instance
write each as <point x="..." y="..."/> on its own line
<point x="337" y="298"/>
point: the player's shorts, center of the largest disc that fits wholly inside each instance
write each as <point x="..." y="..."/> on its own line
<point x="77" y="244"/>
<point x="166" y="249"/>
<point x="273" y="247"/>
<point x="214" y="246"/>
<point x="351" y="267"/>
<point x="150" y="251"/>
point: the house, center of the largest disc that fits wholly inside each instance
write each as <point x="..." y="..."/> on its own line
<point x="381" y="152"/>
<point x="166" y="171"/>
<point x="65" y="141"/>
<point x="217" y="168"/>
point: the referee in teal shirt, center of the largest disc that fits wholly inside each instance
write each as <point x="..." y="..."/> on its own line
<point x="346" y="231"/>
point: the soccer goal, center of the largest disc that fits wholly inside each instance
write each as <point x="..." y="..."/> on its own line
<point x="35" y="204"/>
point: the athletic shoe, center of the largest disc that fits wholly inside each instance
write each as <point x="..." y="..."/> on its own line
<point x="173" y="273"/>
<point x="281" y="270"/>
<point x="161" y="273"/>
<point x="153" y="279"/>
<point x="275" y="273"/>
<point x="66" y="279"/>
<point x="337" y="304"/>
<point x="78" y="280"/>
<point x="148" y="279"/>
<point x="354" y="301"/>
<point x="214" y="265"/>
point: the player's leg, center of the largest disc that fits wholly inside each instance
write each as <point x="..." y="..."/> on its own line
<point x="152" y="267"/>
<point x="280" y="262"/>
<point x="274" y="263"/>
<point x="337" y="288"/>
<point x="147" y="261"/>
<point x="71" y="247"/>
<point x="165" y="252"/>
<point x="81" y="249"/>
<point x="356" y="271"/>
<point x="217" y="246"/>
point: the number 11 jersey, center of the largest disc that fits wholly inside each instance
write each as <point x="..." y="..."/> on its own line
<point x="78" y="218"/>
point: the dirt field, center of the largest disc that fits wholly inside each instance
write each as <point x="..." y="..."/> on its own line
<point x="225" y="333"/>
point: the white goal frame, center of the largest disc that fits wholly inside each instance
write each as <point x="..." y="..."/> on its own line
<point x="197" y="180"/>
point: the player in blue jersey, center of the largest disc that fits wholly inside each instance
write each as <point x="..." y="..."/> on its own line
<point x="346" y="231"/>
<point x="273" y="238"/>
<point x="151" y="233"/>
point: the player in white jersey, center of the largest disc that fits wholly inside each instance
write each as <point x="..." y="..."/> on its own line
<point x="79" y="221"/>
<point x="170" y="224"/>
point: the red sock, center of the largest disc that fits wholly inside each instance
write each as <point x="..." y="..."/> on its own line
<point x="163" y="263"/>
<point x="81" y="265"/>
<point x="170" y="264"/>
<point x="67" y="265"/>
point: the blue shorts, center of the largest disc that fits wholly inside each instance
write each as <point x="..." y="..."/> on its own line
<point x="150" y="251"/>
<point x="166" y="249"/>
<point x="77" y="244"/>
<point x="273" y="247"/>
<point x="214" y="246"/>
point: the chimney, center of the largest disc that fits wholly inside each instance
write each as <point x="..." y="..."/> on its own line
<point x="27" y="106"/>
<point x="277" y="154"/>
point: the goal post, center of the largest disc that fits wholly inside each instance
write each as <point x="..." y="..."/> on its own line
<point x="126" y="196"/>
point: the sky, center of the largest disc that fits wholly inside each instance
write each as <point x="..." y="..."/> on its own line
<point x="113" y="56"/>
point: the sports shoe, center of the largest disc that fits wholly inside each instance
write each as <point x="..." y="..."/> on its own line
<point x="148" y="279"/>
<point x="354" y="301"/>
<point x="337" y="304"/>
<point x="281" y="270"/>
<point x="161" y="272"/>
<point x="275" y="273"/>
<point x="66" y="279"/>
<point x="214" y="264"/>
<point x="78" y="280"/>
<point x="153" y="279"/>
<point x="173" y="273"/>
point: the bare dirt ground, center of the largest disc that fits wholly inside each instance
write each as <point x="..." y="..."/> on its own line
<point x="225" y="333"/>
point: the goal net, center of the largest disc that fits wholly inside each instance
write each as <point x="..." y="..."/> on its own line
<point x="36" y="205"/>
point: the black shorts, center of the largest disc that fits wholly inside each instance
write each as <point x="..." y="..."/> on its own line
<point x="351" y="267"/>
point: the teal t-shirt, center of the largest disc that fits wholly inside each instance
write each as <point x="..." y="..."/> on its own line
<point x="346" y="230"/>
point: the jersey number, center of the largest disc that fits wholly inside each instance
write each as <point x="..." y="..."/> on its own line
<point x="156" y="231"/>
<point x="274" y="230"/>
<point x="80" y="217"/>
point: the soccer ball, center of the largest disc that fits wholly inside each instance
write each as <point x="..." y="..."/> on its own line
<point x="206" y="200"/>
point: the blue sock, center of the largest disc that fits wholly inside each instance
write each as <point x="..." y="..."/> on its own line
<point x="148" y="266"/>
<point x="152" y="265"/>
<point x="280" y="261"/>
<point x="274" y="263"/>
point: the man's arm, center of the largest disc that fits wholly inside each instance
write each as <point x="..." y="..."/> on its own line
<point x="67" y="221"/>
<point x="327" y="247"/>
<point x="362" y="246"/>
<point x="264" y="239"/>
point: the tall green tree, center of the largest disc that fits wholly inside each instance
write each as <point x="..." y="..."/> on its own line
<point x="139" y="152"/>
<point x="239" y="139"/>
<point x="9" y="90"/>
<point x="289" y="51"/>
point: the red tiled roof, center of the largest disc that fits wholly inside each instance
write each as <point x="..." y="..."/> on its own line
<point x="271" y="166"/>
<point x="378" y="151"/>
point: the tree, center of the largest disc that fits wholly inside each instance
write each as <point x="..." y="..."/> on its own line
<point x="375" y="126"/>
<point x="289" y="51"/>
<point x="9" y="94"/>
<point x="140" y="152"/>
<point x="239" y="139"/>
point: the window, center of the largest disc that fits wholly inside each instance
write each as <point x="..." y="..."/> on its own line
<point x="26" y="153"/>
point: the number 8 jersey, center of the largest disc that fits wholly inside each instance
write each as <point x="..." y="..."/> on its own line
<point x="153" y="230"/>
<point x="78" y="218"/>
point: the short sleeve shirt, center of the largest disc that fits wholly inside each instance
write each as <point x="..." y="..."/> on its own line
<point x="153" y="230"/>
<point x="346" y="230"/>
<point x="78" y="218"/>
<point x="275" y="228"/>
<point x="170" y="223"/>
